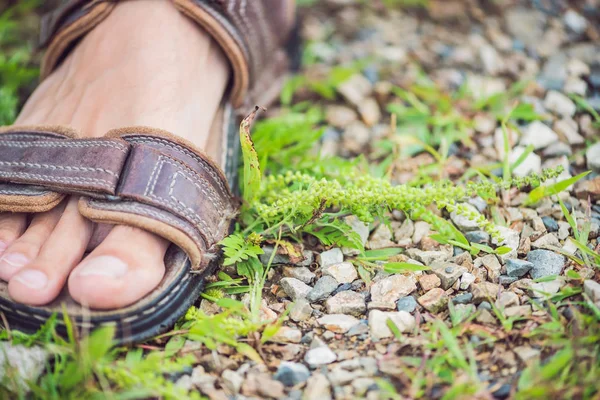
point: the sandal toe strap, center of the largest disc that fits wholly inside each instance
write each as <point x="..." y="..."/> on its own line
<point x="137" y="176"/>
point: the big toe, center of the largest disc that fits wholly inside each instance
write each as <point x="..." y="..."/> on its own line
<point x="125" y="267"/>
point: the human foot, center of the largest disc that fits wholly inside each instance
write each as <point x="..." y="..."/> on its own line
<point x="166" y="73"/>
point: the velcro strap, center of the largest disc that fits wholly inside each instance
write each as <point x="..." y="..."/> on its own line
<point x="135" y="176"/>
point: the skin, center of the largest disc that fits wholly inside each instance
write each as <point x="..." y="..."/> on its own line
<point x="166" y="73"/>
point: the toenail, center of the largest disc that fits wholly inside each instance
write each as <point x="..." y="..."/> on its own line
<point x="32" y="278"/>
<point x="108" y="266"/>
<point x="12" y="261"/>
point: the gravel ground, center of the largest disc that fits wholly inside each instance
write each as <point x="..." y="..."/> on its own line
<point x="336" y="342"/>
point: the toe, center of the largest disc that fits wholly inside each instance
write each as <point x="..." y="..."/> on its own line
<point x="23" y="244"/>
<point x="59" y="249"/>
<point x="126" y="266"/>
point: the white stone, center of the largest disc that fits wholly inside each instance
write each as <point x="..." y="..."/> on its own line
<point x="390" y="289"/>
<point x="404" y="321"/>
<point x="559" y="104"/>
<point x="575" y="21"/>
<point x="466" y="280"/>
<point x="330" y="257"/>
<point x="592" y="289"/>
<point x="568" y="128"/>
<point x="592" y="156"/>
<point x="294" y="288"/>
<point x="338" y="323"/>
<point x="531" y="165"/>
<point x="343" y="272"/>
<point x="510" y="239"/>
<point x="346" y="302"/>
<point x="25" y="364"/>
<point x="319" y="356"/>
<point x="577" y="68"/>
<point x="539" y="135"/>
<point x="464" y="223"/>
<point x="512" y="137"/>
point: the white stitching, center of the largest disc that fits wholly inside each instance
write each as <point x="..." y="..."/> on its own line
<point x="58" y="143"/>
<point x="208" y="167"/>
<point x="60" y="167"/>
<point x="17" y="193"/>
<point x="54" y="179"/>
<point x="160" y="217"/>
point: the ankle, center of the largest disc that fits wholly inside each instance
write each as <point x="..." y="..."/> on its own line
<point x="166" y="73"/>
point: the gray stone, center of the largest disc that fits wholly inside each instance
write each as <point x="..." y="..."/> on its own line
<point x="300" y="310"/>
<point x="294" y="288"/>
<point x="347" y="302"/>
<point x="539" y="135"/>
<point x="301" y="273"/>
<point x="21" y="364"/>
<point x="308" y="258"/>
<point x="390" y="289"/>
<point x="480" y="237"/>
<point x="330" y="257"/>
<point x="291" y="373"/>
<point x="408" y="304"/>
<point x="463" y="298"/>
<point x="463" y="222"/>
<point x="517" y="268"/>
<point x="323" y="288"/>
<point x="545" y="263"/>
<point x="378" y="323"/>
<point x="359" y="329"/>
<point x="550" y="224"/>
<point x="592" y="156"/>
<point x="554" y="72"/>
<point x="319" y="356"/>
<point x="343" y="272"/>
<point x="338" y="323"/>
<point x="448" y="273"/>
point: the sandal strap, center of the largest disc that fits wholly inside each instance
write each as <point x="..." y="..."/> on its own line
<point x="136" y="176"/>
<point x="252" y="33"/>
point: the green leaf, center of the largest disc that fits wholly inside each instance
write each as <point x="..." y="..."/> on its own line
<point x="396" y="267"/>
<point x="543" y="191"/>
<point x="571" y="274"/>
<point x="380" y="254"/>
<point x="174" y="344"/>
<point x="503" y="250"/>
<point x="99" y="342"/>
<point x="252" y="175"/>
<point x="248" y="351"/>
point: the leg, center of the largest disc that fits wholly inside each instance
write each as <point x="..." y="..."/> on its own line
<point x="165" y="73"/>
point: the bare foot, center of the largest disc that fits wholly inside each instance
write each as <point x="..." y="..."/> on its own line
<point x="146" y="64"/>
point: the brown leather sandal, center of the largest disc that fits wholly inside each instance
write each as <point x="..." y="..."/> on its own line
<point x="145" y="177"/>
